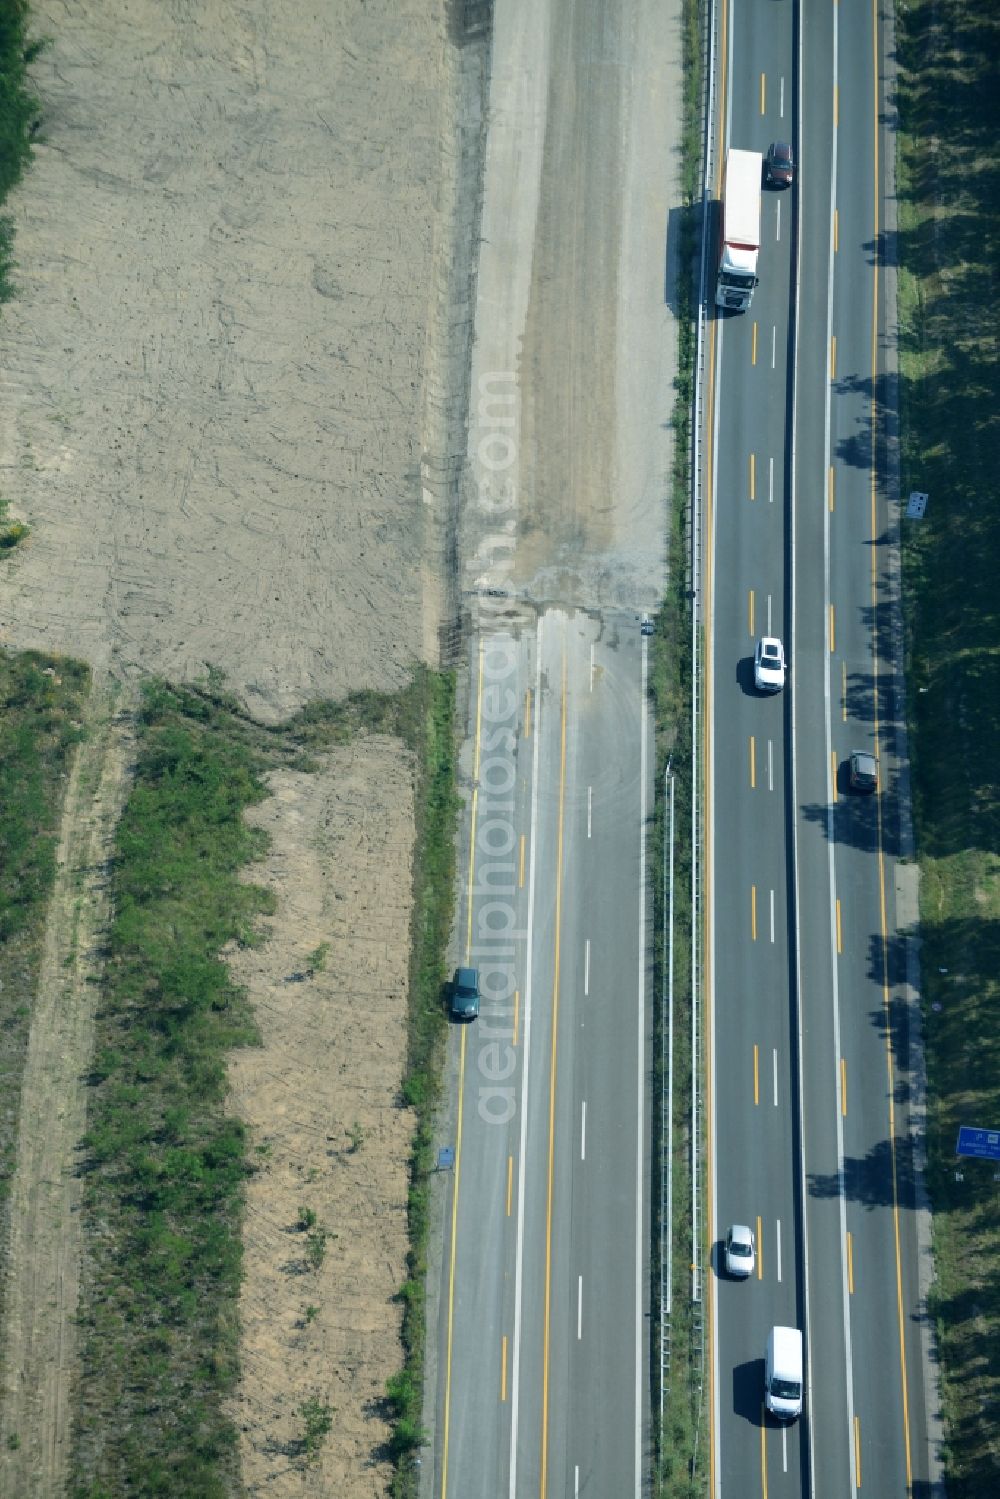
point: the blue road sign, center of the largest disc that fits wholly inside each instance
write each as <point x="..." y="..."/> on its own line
<point x="984" y="1143"/>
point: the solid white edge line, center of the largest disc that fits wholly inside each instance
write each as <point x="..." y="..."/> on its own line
<point x="641" y="1073"/>
<point x="708" y="996"/>
<point x="793" y="773"/>
<point x="830" y="841"/>
<point x="519" y="1252"/>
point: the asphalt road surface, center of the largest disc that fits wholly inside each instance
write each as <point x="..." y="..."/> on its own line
<point x="540" y="1349"/>
<point x="540" y="1332"/>
<point x="545" y="1329"/>
<point x="812" y="1089"/>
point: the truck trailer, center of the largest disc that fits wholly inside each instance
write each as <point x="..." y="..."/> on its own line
<point x="739" y="230"/>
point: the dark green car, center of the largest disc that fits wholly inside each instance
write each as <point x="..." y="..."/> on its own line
<point x="465" y="994"/>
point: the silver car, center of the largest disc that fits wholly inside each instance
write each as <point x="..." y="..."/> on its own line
<point x="739" y="1252"/>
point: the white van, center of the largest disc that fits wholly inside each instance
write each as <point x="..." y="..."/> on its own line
<point x="783" y="1373"/>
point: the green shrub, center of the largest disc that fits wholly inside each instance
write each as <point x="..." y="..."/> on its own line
<point x="318" y="1419"/>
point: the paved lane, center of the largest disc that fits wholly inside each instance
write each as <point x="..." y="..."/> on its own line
<point x="755" y="1147"/>
<point x="860" y="1228"/>
<point x="550" y="1184"/>
<point x="540" y="1329"/>
<point x="835" y="1163"/>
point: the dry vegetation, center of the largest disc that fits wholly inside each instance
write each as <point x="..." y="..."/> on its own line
<point x="213" y="421"/>
<point x="326" y="1205"/>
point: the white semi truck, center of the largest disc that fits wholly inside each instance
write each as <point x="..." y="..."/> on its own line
<point x="739" y="230"/>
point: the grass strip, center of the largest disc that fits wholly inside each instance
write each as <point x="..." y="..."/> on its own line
<point x="165" y="1162"/>
<point x="681" y="1443"/>
<point x="42" y="701"/>
<point x="438" y="810"/>
<point x="949" y="238"/>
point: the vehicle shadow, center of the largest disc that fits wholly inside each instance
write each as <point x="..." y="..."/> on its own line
<point x="744" y="677"/>
<point x="748" y="1384"/>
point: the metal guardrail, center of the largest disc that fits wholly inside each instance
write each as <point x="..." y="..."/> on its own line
<point x="667" y="1099"/>
<point x="698" y="459"/>
<point x="701" y="454"/>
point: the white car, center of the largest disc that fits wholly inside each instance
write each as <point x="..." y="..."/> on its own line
<point x="739" y="1251"/>
<point x="769" y="664"/>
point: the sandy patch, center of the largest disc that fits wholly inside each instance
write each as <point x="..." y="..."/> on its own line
<point x="321" y="1098"/>
<point x="213" y="374"/>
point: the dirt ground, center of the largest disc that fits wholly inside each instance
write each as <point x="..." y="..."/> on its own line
<point x="322" y="1102"/>
<point x="219" y="385"/>
<point x="213" y="373"/>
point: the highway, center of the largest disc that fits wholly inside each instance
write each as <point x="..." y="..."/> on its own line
<point x="547" y="1321"/>
<point x="811" y="1135"/>
<point x="538" y="1353"/>
<point x="539" y="1335"/>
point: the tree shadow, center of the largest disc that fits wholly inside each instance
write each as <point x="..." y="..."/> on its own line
<point x="868" y="1179"/>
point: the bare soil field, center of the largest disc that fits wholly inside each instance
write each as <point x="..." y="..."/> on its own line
<point x="231" y="247"/>
<point x="325" y="1235"/>
<point x="213" y="372"/>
